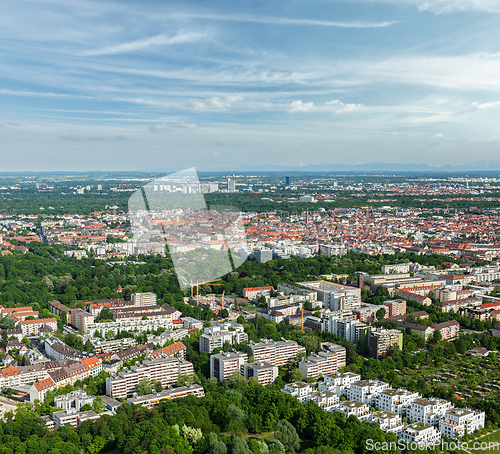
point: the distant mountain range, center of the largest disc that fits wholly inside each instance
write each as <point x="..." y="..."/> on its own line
<point x="475" y="166"/>
<point x="472" y="167"/>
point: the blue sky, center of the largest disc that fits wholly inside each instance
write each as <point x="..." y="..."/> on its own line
<point x="162" y="84"/>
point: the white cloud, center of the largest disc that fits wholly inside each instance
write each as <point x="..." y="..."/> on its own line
<point x="215" y="102"/>
<point x="299" y="106"/>
<point x="439" y="135"/>
<point x="341" y="107"/>
<point x="159" y="40"/>
<point x="41" y="95"/>
<point x="486" y="105"/>
<point x="291" y="21"/>
<point x="80" y="138"/>
<point x="450" y="6"/>
<point x="164" y="127"/>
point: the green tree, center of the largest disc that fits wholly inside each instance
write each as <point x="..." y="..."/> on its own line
<point x="144" y="387"/>
<point x="287" y="435"/>
<point x="380" y="313"/>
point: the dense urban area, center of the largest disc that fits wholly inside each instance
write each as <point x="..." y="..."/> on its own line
<point x="359" y="313"/>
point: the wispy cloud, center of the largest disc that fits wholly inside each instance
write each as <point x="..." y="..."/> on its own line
<point x="79" y="138"/>
<point x="215" y="102"/>
<point x="291" y="21"/>
<point x="450" y="6"/>
<point x="165" y="127"/>
<point x="299" y="106"/>
<point x="341" y="107"/>
<point x="486" y="105"/>
<point x="182" y="37"/>
<point x="42" y="95"/>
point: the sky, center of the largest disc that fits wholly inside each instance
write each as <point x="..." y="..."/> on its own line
<point x="160" y="85"/>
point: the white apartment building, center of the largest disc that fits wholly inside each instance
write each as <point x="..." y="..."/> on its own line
<point x="262" y="371"/>
<point x="335" y="297"/>
<point x="366" y="391"/>
<point x="223" y="365"/>
<point x="325" y="362"/>
<point x="299" y="390"/>
<point x="128" y="325"/>
<point x="345" y="324"/>
<point x="33" y="327"/>
<point x="75" y="399"/>
<point x="166" y="370"/>
<point x="327" y="400"/>
<point x="422" y="434"/>
<point x="352" y="407"/>
<point x="215" y="336"/>
<point x="397" y="268"/>
<point x="457" y="422"/>
<point x="150" y="400"/>
<point x="387" y="421"/>
<point x="428" y="411"/>
<point x="338" y="383"/>
<point x="143" y="299"/>
<point x="396" y="401"/>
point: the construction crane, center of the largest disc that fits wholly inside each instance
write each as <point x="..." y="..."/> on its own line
<point x="197" y="285"/>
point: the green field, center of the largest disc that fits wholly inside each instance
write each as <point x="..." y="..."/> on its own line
<point x="491" y="438"/>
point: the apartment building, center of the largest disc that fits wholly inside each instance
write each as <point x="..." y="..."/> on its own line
<point x="354" y="408"/>
<point x="166" y="313"/>
<point x="396" y="401"/>
<point x="300" y="390"/>
<point x="367" y="313"/>
<point x="325" y="362"/>
<point x="166" y="370"/>
<point x="35" y="327"/>
<point x="177" y="349"/>
<point x="252" y="293"/>
<point x="75" y="399"/>
<point x="264" y="372"/>
<point x="397" y="268"/>
<point x="278" y="353"/>
<point x="333" y="249"/>
<point x="428" y="411"/>
<point x="127" y="325"/>
<point x="216" y="336"/>
<point x="387" y="421"/>
<point x="338" y="383"/>
<point x="94" y="365"/>
<point x="307" y="294"/>
<point x="346" y="325"/>
<point x="80" y="319"/>
<point x="60" y="309"/>
<point x="150" y="400"/>
<point x="223" y="365"/>
<point x="335" y="297"/>
<point x="143" y="299"/>
<point x="395" y="307"/>
<point x="448" y="330"/>
<point x="422" y="434"/>
<point x="5" y="312"/>
<point x="73" y="418"/>
<point x="326" y="400"/>
<point x="382" y="341"/>
<point x="366" y="391"/>
<point x="457" y="422"/>
<point x="69" y="374"/>
<point x="58" y="350"/>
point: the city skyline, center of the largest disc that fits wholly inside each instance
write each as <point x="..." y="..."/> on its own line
<point x="134" y="86"/>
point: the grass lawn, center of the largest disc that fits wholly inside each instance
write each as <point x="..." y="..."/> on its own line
<point x="492" y="438"/>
